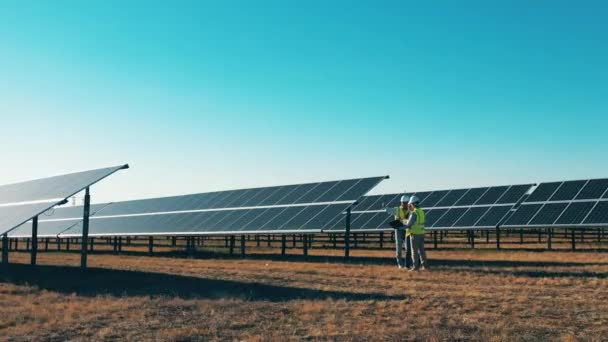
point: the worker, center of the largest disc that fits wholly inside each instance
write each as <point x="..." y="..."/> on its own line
<point x="415" y="224"/>
<point x="402" y="235"/>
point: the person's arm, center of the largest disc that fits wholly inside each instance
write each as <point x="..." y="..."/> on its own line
<point x="410" y="222"/>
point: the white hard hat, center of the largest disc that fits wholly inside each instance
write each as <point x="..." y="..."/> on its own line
<point x="414" y="200"/>
<point x="405" y="198"/>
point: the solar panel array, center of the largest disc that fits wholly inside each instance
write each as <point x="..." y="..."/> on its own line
<point x="23" y="201"/>
<point x="300" y="208"/>
<point x="564" y="204"/>
<point x="472" y="208"/>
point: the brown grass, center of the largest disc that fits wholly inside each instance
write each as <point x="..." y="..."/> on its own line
<point x="468" y="295"/>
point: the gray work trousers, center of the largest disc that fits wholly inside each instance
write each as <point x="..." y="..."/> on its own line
<point x="402" y="242"/>
<point x="418" y="252"/>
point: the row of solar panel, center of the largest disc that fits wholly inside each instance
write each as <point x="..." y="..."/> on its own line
<point x="57" y="187"/>
<point x="284" y="219"/>
<point x="442" y="218"/>
<point x="561" y="213"/>
<point x="451" y="198"/>
<point x="570" y="190"/>
<point x="335" y="191"/>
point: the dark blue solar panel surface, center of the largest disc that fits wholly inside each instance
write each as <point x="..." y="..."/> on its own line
<point x="451" y="198"/>
<point x="432" y="199"/>
<point x="594" y="189"/>
<point x="575" y="213"/>
<point x="492" y="195"/>
<point x="471" y="196"/>
<point x="449" y="218"/>
<point x="514" y="194"/>
<point x="543" y="192"/>
<point x="523" y="214"/>
<point x="493" y="216"/>
<point x="548" y="214"/>
<point x="568" y="190"/>
<point x="599" y="214"/>
<point x="471" y="217"/>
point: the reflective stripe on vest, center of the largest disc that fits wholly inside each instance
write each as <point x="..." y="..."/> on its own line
<point x="418" y="226"/>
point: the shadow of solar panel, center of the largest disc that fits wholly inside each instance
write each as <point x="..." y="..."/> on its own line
<point x="568" y="190"/>
<point x="548" y="214"/>
<point x="514" y="194"/>
<point x="493" y="216"/>
<point x="472" y="215"/>
<point x="452" y="197"/>
<point x="543" y="192"/>
<point x="492" y="195"/>
<point x="599" y="214"/>
<point x="523" y="214"/>
<point x="432" y="199"/>
<point x="449" y="218"/>
<point x="433" y="215"/>
<point x="471" y="196"/>
<point x="575" y="213"/>
<point x="594" y="189"/>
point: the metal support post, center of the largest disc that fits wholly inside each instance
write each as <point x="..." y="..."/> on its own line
<point x="347" y="235"/>
<point x="34" y="240"/>
<point x="5" y="249"/>
<point x="283" y="244"/>
<point x="242" y="244"/>
<point x="151" y="245"/>
<point x="85" y="229"/>
<point x="497" y="237"/>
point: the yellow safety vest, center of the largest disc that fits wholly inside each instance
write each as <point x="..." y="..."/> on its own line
<point x="403" y="214"/>
<point x="418" y="226"/>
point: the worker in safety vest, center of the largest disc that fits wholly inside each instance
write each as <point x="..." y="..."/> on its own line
<point x="415" y="224"/>
<point x="402" y="235"/>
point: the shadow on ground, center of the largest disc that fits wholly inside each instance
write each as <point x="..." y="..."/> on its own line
<point x="100" y="281"/>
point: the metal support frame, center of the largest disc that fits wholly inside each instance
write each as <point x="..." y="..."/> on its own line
<point x="85" y="229"/>
<point x="521" y="236"/>
<point x="472" y="234"/>
<point x="34" y="240"/>
<point x="242" y="244"/>
<point x="119" y="244"/>
<point x="381" y="240"/>
<point x="497" y="237"/>
<point x="435" y="239"/>
<point x="347" y="235"/>
<point x="283" y="244"/>
<point x="232" y="245"/>
<point x="5" y="249"/>
<point x="46" y="244"/>
<point x="572" y="237"/>
<point x="549" y="238"/>
<point x="67" y="244"/>
<point x="305" y="245"/>
<point x="150" y="245"/>
<point x="91" y="244"/>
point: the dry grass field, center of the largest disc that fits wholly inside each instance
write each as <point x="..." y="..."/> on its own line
<point x="468" y="295"/>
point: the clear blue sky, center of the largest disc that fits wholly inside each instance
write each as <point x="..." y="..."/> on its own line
<point x="199" y="96"/>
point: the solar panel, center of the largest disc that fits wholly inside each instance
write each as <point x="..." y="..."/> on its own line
<point x="568" y="190"/>
<point x="56" y="189"/>
<point x="548" y="214"/>
<point x="523" y="215"/>
<point x="493" y="216"/>
<point x="432" y="199"/>
<point x="472" y="215"/>
<point x="449" y="218"/>
<point x="543" y="192"/>
<point x="575" y="213"/>
<point x="599" y="214"/>
<point x="593" y="189"/>
<point x="492" y="195"/>
<point x="514" y="194"/>
<point x="471" y="196"/>
<point x="278" y="208"/>
<point x="451" y="198"/>
<point x="433" y="215"/>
